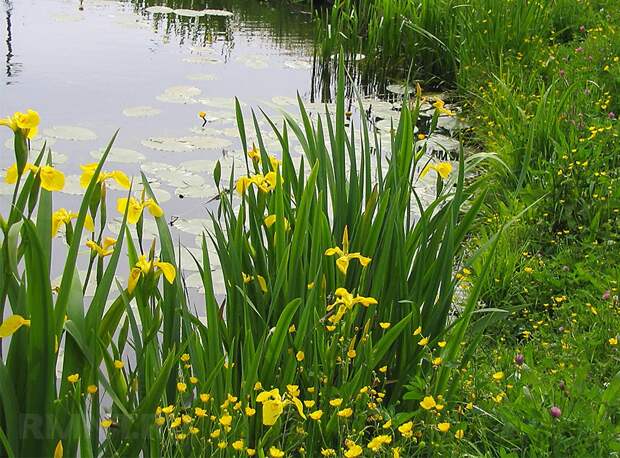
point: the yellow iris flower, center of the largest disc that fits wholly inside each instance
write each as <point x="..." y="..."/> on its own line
<point x="62" y="216"/>
<point x="440" y="106"/>
<point x="444" y="169"/>
<point x="265" y="183"/>
<point x="102" y="250"/>
<point x="51" y="178"/>
<point x="262" y="283"/>
<point x="88" y="171"/>
<point x="12" y="324"/>
<point x="345" y="300"/>
<point x="273" y="405"/>
<point x="144" y="267"/>
<point x="271" y="219"/>
<point x="344" y="257"/>
<point x="136" y="208"/>
<point x="27" y="123"/>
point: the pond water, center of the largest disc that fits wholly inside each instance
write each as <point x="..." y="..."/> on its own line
<point x="148" y="68"/>
<point x="98" y="66"/>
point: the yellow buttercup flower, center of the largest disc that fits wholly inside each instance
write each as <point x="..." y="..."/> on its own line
<point x="238" y="445"/>
<point x="92" y="389"/>
<point x="27" y="123"/>
<point x="428" y="403"/>
<point x="406" y="429"/>
<point x="249" y="411"/>
<point x="444" y="169"/>
<point x="335" y="402"/>
<point x="613" y="341"/>
<point x="51" y="178"/>
<point x="275" y="452"/>
<point x="226" y="420"/>
<point x="377" y="442"/>
<point x="136" y="208"/>
<point x="300" y="356"/>
<point x="423" y="341"/>
<point x="345" y="413"/>
<point x="344" y="257"/>
<point x="459" y="434"/>
<point x="498" y="376"/>
<point x="443" y="427"/>
<point x="73" y="378"/>
<point x="12" y="324"/>
<point x="118" y="364"/>
<point x="106" y="423"/>
<point x="88" y="171"/>
<point x="144" y="267"/>
<point x="102" y="250"/>
<point x="181" y="387"/>
<point x="62" y="216"/>
<point x="316" y="415"/>
<point x="353" y="451"/>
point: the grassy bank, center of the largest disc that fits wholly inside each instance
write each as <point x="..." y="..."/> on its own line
<point x="538" y="82"/>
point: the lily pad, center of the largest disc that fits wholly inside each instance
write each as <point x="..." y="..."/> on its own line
<point x="196" y="192"/>
<point x="202" y="60"/>
<point x="141" y="112"/>
<point x="68" y="17"/>
<point x="6" y="189"/>
<point x="172" y="174"/>
<point x="206" y="142"/>
<point x="70" y="133"/>
<point x="72" y="186"/>
<point x="202" y="77"/>
<point x="219" y="102"/>
<point x="255" y="62"/>
<point x="168" y="144"/>
<point x="282" y="100"/>
<point x="199" y="165"/>
<point x="193" y="226"/>
<point x="189" y="13"/>
<point x="222" y="13"/>
<point x="298" y="64"/>
<point x="36" y="144"/>
<point x="149" y="228"/>
<point x="179" y="94"/>
<point x="121" y="155"/>
<point x="159" y="10"/>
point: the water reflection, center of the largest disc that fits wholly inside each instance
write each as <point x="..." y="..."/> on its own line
<point x="11" y="68"/>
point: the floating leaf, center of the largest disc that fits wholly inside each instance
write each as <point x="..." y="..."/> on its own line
<point x="202" y="77"/>
<point x="202" y="60"/>
<point x="169" y="144"/>
<point x="179" y="94"/>
<point x="255" y="62"/>
<point x="122" y="155"/>
<point x="222" y="13"/>
<point x="298" y="64"/>
<point x="189" y="13"/>
<point x="172" y="174"/>
<point x="70" y="133"/>
<point x="159" y="10"/>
